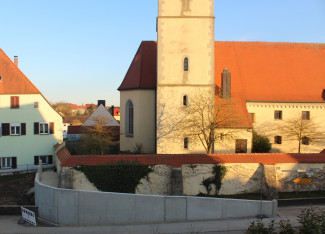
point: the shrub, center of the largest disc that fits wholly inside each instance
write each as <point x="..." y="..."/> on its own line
<point x="261" y="144"/>
<point x="219" y="172"/>
<point x="311" y="222"/>
<point x="122" y="177"/>
<point x="257" y="227"/>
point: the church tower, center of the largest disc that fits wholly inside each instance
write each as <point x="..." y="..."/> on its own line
<point x="185" y="66"/>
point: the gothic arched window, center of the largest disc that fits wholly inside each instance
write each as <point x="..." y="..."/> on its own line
<point x="129" y="118"/>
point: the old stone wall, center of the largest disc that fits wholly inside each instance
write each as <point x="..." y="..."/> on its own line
<point x="240" y="178"/>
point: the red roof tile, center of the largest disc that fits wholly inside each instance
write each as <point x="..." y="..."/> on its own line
<point x="177" y="160"/>
<point x="142" y="72"/>
<point x="271" y="71"/>
<point x="13" y="81"/>
<point x="264" y="71"/>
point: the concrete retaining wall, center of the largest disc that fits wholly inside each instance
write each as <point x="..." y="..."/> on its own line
<point x="76" y="207"/>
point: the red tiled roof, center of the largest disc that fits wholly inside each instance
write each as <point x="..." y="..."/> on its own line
<point x="13" y="81"/>
<point x="177" y="160"/>
<point x="142" y="72"/>
<point x="74" y="130"/>
<point x="264" y="71"/>
<point x="272" y="71"/>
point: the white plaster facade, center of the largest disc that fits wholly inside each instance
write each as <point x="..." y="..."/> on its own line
<point x="265" y="123"/>
<point x="26" y="147"/>
<point x="144" y="120"/>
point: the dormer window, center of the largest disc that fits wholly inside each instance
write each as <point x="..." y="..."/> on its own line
<point x="0" y="78"/>
<point x="186" y="64"/>
<point x="185" y="100"/>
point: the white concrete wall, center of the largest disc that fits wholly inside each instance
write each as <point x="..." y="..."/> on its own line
<point x="144" y="120"/>
<point x="27" y="146"/>
<point x="76" y="207"/>
<point x="267" y="125"/>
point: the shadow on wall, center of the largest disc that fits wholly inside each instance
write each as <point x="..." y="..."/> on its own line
<point x="35" y="134"/>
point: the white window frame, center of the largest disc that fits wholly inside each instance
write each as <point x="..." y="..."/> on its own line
<point x="6" y="162"/>
<point x="15" y="126"/>
<point x="44" y="124"/>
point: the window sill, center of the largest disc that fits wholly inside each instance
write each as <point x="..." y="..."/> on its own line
<point x="129" y="135"/>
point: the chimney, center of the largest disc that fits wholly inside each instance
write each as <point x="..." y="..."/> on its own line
<point x="101" y="102"/>
<point x="16" y="60"/>
<point x="111" y="110"/>
<point x="226" y="84"/>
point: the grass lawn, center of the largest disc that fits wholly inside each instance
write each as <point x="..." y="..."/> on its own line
<point x="302" y="195"/>
<point x="6" y="178"/>
<point x="257" y="196"/>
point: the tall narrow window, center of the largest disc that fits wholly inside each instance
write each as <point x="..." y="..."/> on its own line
<point x="129" y="118"/>
<point x="186" y="64"/>
<point x="186" y="143"/>
<point x="185" y="100"/>
<point x="278" y="114"/>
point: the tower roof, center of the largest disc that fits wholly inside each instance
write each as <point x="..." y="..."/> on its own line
<point x="142" y="72"/>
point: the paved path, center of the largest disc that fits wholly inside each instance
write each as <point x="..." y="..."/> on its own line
<point x="9" y="224"/>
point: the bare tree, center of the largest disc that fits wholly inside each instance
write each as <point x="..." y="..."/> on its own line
<point x="302" y="130"/>
<point x="99" y="137"/>
<point x="210" y="119"/>
<point x="63" y="108"/>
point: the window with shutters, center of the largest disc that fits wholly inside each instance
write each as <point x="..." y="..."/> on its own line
<point x="278" y="115"/>
<point x="15" y="129"/>
<point x="43" y="128"/>
<point x="46" y="159"/>
<point x="8" y="162"/>
<point x="14" y="102"/>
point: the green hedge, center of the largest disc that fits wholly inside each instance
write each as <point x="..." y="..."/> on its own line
<point x="122" y="177"/>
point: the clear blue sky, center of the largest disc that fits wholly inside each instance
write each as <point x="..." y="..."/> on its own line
<point x="79" y="51"/>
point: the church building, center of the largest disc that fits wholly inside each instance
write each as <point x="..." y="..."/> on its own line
<point x="263" y="83"/>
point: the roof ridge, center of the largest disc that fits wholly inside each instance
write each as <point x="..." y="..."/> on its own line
<point x="11" y="63"/>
